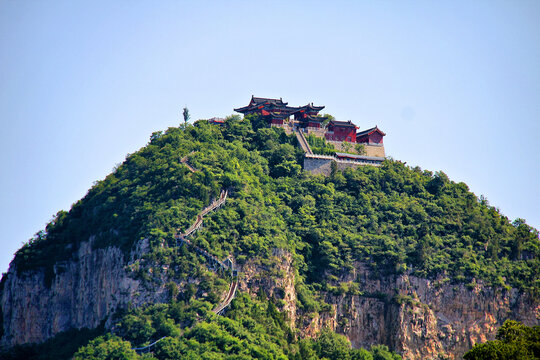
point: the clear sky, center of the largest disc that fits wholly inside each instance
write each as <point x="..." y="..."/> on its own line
<point x="454" y="84"/>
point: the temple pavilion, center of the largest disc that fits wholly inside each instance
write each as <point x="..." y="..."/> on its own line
<point x="341" y="131"/>
<point x="277" y="111"/>
<point x="373" y="136"/>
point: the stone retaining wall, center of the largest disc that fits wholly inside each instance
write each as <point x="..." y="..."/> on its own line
<point x="323" y="165"/>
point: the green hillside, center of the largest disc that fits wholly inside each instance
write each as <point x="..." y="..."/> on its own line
<point x="394" y="219"/>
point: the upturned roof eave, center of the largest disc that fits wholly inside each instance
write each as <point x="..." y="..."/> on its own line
<point x="371" y="131"/>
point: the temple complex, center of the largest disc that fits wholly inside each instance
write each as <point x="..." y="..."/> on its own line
<point x="342" y="134"/>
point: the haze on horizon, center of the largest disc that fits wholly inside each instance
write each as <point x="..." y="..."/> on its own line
<point x="455" y="86"/>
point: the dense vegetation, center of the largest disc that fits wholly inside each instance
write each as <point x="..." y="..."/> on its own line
<point x="514" y="341"/>
<point x="393" y="218"/>
<point x="251" y="329"/>
<point x="320" y="146"/>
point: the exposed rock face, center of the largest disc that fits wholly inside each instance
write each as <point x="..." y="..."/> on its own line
<point x="420" y="318"/>
<point x="276" y="278"/>
<point x="417" y="317"/>
<point x="84" y="292"/>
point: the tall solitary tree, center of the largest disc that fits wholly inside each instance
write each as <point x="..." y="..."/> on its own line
<point x="186" y="115"/>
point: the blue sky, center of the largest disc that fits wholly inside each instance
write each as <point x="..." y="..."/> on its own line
<point x="455" y="85"/>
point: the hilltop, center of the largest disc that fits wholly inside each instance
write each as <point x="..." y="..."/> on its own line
<point x="391" y="255"/>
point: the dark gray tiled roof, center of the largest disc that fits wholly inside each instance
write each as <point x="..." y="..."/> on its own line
<point x="259" y="100"/>
<point x="369" y="131"/>
<point x="342" y="123"/>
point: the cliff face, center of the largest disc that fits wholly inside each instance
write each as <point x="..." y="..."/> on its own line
<point x="85" y="291"/>
<point x="421" y="318"/>
<point x="417" y="317"/>
<point x="276" y="278"/>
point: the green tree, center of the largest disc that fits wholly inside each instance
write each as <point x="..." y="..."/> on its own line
<point x="381" y="352"/>
<point x="514" y="341"/>
<point x="327" y="118"/>
<point x="346" y="146"/>
<point x="333" y="346"/>
<point x="108" y="347"/>
<point x="360" y="149"/>
<point x="186" y="115"/>
<point x="361" y="354"/>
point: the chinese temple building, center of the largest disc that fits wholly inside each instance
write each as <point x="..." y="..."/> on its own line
<point x="307" y="116"/>
<point x="373" y="136"/>
<point x="275" y="109"/>
<point x="341" y="131"/>
<point x="258" y="105"/>
<point x="277" y="112"/>
<point x="216" y="121"/>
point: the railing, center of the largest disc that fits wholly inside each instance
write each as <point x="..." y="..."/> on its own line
<point x="217" y="203"/>
<point x="194" y="227"/>
<point x="317" y="156"/>
<point x="303" y="142"/>
<point x="370" y="162"/>
<point x="197" y="225"/>
<point x="366" y="160"/>
<point x="184" y="238"/>
<point x="148" y="347"/>
<point x="230" y="296"/>
<point x="192" y="169"/>
<point x="184" y="161"/>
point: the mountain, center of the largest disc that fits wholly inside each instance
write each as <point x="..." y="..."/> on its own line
<point x="389" y="258"/>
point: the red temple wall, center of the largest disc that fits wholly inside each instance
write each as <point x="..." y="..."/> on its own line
<point x="374" y="138"/>
<point x="362" y="139"/>
<point x="342" y="133"/>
